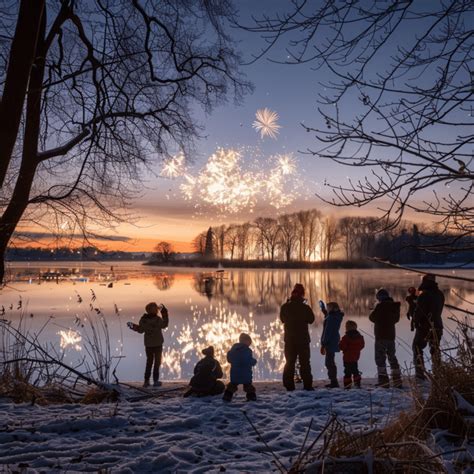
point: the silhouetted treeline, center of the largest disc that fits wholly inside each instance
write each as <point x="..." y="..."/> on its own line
<point x="73" y="254"/>
<point x="309" y="236"/>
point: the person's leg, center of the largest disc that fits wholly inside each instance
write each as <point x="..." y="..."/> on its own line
<point x="304" y="356"/>
<point x="156" y="367"/>
<point x="249" y="389"/>
<point x="332" y="369"/>
<point x="434" y="340"/>
<point x="380" y="355"/>
<point x="419" y="343"/>
<point x="394" y="365"/>
<point x="347" y="375"/>
<point x="229" y="391"/>
<point x="356" y="374"/>
<point x="289" y="369"/>
<point x="218" y="388"/>
<point x="149" y="363"/>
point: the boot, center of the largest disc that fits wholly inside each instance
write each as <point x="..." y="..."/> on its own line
<point x="333" y="384"/>
<point x="347" y="382"/>
<point x="157" y="383"/>
<point x="383" y="380"/>
<point x="227" y="397"/>
<point x="146" y="383"/>
<point x="397" y="378"/>
<point x="251" y="397"/>
<point x="188" y="393"/>
<point x="357" y="379"/>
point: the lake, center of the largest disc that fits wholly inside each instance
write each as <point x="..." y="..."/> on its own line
<point x="205" y="308"/>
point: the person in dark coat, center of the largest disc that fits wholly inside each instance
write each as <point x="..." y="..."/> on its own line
<point x="151" y="325"/>
<point x="206" y="374"/>
<point x="330" y="340"/>
<point x="384" y="316"/>
<point x="411" y="300"/>
<point x="428" y="323"/>
<point x="241" y="362"/>
<point x="296" y="315"/>
<point x="351" y="346"/>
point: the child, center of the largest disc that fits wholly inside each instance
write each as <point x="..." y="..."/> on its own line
<point x="411" y="300"/>
<point x="351" y="344"/>
<point x="151" y="324"/>
<point x="330" y="339"/>
<point x="206" y="374"/>
<point x="241" y="362"/>
<point x="384" y="316"/>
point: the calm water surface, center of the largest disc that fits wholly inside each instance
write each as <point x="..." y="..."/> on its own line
<point x="205" y="308"/>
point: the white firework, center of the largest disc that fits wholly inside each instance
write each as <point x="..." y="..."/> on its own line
<point x="174" y="167"/>
<point x="266" y="123"/>
<point x="286" y="164"/>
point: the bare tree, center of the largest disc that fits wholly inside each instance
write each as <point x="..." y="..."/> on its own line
<point x="219" y="240"/>
<point x="409" y="65"/>
<point x="268" y="233"/>
<point x="288" y="234"/>
<point x="199" y="243"/>
<point x="243" y="239"/>
<point x="231" y="238"/>
<point x="91" y="91"/>
<point x="331" y="237"/>
<point x="164" y="252"/>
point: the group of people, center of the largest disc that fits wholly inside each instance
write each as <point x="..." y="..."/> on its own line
<point x="425" y="306"/>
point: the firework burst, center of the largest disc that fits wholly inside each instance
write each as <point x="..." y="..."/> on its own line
<point x="266" y="123"/>
<point x="174" y="167"/>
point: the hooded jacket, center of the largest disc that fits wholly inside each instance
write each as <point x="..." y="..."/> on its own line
<point x="206" y="373"/>
<point x="296" y="315"/>
<point x="241" y="362"/>
<point x="330" y="337"/>
<point x="384" y="316"/>
<point x="351" y="344"/>
<point x="151" y="325"/>
<point x="429" y="306"/>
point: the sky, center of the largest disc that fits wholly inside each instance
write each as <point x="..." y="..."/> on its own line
<point x="264" y="176"/>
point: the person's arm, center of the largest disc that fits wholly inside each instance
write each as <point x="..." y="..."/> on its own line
<point x="141" y="326"/>
<point x="373" y="315"/>
<point x="309" y="315"/>
<point x="343" y="344"/>
<point x="197" y="367"/>
<point x="324" y="334"/>
<point x="218" y="370"/>
<point x="397" y="314"/>
<point x="362" y="342"/>
<point x="283" y="314"/>
<point x="164" y="317"/>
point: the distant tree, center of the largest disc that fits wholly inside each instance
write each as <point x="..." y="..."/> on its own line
<point x="409" y="66"/>
<point x="288" y="234"/>
<point x="219" y="240"/>
<point x="268" y="234"/>
<point x="164" y="252"/>
<point x="209" y="246"/>
<point x="91" y="91"/>
<point x="230" y="240"/>
<point x="243" y="239"/>
<point x="199" y="243"/>
<point x="331" y="237"/>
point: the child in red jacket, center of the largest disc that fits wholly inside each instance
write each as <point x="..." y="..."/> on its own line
<point x="351" y="344"/>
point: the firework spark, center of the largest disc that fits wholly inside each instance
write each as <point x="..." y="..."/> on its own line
<point x="286" y="164"/>
<point x="71" y="339"/>
<point x="266" y="123"/>
<point x="174" y="167"/>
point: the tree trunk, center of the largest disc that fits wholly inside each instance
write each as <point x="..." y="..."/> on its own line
<point x="22" y="55"/>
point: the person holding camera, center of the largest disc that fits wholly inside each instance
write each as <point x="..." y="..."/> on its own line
<point x="151" y="325"/>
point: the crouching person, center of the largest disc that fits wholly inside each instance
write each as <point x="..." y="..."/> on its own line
<point x="206" y="374"/>
<point x="241" y="362"/>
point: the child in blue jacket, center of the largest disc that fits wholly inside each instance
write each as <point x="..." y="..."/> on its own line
<point x="330" y="340"/>
<point x="241" y="362"/>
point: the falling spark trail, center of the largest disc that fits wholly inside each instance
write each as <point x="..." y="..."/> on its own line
<point x="174" y="167"/>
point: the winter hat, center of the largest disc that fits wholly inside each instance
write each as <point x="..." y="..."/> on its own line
<point x="351" y="325"/>
<point x="208" y="351"/>
<point x="298" y="291"/>
<point x="412" y="290"/>
<point x="245" y="339"/>
<point x="429" y="277"/>
<point x="382" y="294"/>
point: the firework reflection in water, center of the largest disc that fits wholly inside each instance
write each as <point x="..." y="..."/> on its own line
<point x="221" y="328"/>
<point x="223" y="183"/>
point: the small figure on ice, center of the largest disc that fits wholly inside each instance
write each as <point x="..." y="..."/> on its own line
<point x="206" y="374"/>
<point x="241" y="362"/>
<point x="330" y="339"/>
<point x="384" y="316"/>
<point x="351" y="346"/>
<point x="152" y="325"/>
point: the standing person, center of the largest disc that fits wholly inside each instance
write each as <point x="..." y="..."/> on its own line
<point x="151" y="325"/>
<point x="384" y="316"/>
<point x="411" y="300"/>
<point x="351" y="345"/>
<point x="428" y="323"/>
<point x="330" y="340"/>
<point x="241" y="362"/>
<point x="206" y="374"/>
<point x="296" y="315"/>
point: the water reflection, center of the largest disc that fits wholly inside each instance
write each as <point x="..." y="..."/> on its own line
<point x="205" y="308"/>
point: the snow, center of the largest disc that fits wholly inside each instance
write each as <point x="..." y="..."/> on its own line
<point x="177" y="434"/>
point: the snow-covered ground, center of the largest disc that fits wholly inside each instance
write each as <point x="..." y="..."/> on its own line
<point x="175" y="434"/>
